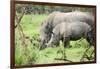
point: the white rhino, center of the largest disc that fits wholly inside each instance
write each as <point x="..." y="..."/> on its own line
<point x="71" y="31"/>
<point x="58" y="17"/>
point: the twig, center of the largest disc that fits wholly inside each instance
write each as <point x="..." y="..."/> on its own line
<point x="84" y="55"/>
<point x="18" y="19"/>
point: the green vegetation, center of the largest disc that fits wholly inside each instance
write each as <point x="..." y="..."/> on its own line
<point x="29" y="53"/>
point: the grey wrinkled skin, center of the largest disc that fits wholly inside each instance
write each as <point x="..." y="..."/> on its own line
<point x="58" y="17"/>
<point x="71" y="31"/>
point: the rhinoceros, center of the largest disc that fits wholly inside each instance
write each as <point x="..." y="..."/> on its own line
<point x="71" y="31"/>
<point x="58" y="17"/>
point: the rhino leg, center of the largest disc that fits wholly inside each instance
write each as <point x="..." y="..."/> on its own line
<point x="42" y="45"/>
<point x="90" y="38"/>
<point x="66" y="42"/>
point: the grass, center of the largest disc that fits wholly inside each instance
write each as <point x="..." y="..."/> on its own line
<point x="30" y="54"/>
<point x="31" y="24"/>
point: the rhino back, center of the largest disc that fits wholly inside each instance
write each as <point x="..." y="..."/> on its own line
<point x="78" y="29"/>
<point x="73" y="16"/>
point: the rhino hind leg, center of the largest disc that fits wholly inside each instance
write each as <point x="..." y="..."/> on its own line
<point x="90" y="38"/>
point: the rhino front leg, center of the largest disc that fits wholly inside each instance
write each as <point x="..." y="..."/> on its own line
<point x="66" y="42"/>
<point x="42" y="45"/>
